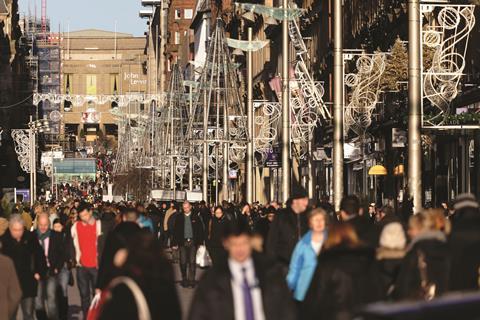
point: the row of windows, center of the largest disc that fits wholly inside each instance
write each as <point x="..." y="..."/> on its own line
<point x="187" y="14"/>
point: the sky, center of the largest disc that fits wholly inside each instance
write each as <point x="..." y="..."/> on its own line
<point x="90" y="14"/>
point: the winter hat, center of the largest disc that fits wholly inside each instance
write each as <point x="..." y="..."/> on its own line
<point x="465" y="200"/>
<point x="393" y="236"/>
<point x="298" y="193"/>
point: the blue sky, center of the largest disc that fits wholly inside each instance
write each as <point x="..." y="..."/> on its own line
<point x="86" y="14"/>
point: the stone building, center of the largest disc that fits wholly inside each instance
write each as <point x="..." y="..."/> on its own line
<point x="96" y="62"/>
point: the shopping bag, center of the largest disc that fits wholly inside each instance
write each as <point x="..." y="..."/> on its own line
<point x="203" y="258"/>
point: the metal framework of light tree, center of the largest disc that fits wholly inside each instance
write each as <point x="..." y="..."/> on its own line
<point x="218" y="121"/>
<point x="446" y="29"/>
<point x="174" y="149"/>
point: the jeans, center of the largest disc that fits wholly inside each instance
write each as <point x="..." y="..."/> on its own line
<point x="62" y="279"/>
<point x="86" y="281"/>
<point x="187" y="261"/>
<point x="47" y="297"/>
<point x="28" y="308"/>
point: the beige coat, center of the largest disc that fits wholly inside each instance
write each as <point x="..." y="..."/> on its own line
<point x="10" y="291"/>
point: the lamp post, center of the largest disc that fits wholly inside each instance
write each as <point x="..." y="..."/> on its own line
<point x="286" y="139"/>
<point x="37" y="126"/>
<point x="250" y="121"/>
<point x="414" y="105"/>
<point x="338" y="104"/>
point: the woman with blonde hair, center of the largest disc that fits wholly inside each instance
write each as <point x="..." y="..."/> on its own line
<point x="345" y="277"/>
<point x="304" y="257"/>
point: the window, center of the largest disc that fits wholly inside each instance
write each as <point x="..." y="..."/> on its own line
<point x="91" y="84"/>
<point x="177" y="37"/>
<point x="178" y="14"/>
<point x="188" y="13"/>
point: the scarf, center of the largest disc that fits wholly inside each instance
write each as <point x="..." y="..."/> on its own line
<point x="43" y="236"/>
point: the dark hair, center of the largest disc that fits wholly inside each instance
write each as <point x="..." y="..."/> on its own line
<point x="236" y="228"/>
<point x="129" y="210"/>
<point x="350" y="204"/>
<point x="57" y="220"/>
<point x="218" y="207"/>
<point x="84" y="206"/>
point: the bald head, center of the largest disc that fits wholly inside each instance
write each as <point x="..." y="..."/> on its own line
<point x="43" y="222"/>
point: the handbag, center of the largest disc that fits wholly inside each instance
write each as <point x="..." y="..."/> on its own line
<point x="203" y="259"/>
<point x="99" y="300"/>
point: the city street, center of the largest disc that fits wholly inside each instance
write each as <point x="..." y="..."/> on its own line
<point x="320" y="158"/>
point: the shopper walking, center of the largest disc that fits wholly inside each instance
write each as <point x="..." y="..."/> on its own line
<point x="247" y="286"/>
<point x="188" y="234"/>
<point x="10" y="291"/>
<point x="55" y="252"/>
<point x="27" y="255"/>
<point x="304" y="258"/>
<point x="288" y="227"/>
<point x="88" y="241"/>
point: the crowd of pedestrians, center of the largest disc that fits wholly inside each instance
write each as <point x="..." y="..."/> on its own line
<point x="295" y="261"/>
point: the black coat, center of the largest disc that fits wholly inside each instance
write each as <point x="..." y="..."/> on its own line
<point x="157" y="285"/>
<point x="117" y="239"/>
<point x="179" y="230"/>
<point x="283" y="234"/>
<point x="464" y="245"/>
<point x="344" y="280"/>
<point x="437" y="258"/>
<point x="213" y="298"/>
<point x="28" y="258"/>
<point x="367" y="232"/>
<point x="215" y="231"/>
<point x="58" y="251"/>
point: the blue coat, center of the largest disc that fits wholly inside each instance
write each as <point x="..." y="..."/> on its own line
<point x="302" y="267"/>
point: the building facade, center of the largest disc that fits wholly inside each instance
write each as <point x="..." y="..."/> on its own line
<point x="96" y="62"/>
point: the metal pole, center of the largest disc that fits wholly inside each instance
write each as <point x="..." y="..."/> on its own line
<point x="338" y="104"/>
<point x="285" y="109"/>
<point x="190" y="158"/>
<point x="414" y="105"/>
<point x="30" y="141"/>
<point x="34" y="162"/>
<point x="310" y="169"/>
<point x="249" y="195"/>
<point x="162" y="47"/>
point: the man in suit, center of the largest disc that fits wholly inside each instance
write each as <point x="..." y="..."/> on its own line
<point x="288" y="227"/>
<point x="188" y="234"/>
<point x="246" y="286"/>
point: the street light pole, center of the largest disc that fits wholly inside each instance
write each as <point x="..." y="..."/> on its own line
<point x="31" y="162"/>
<point x="414" y="105"/>
<point x="338" y="104"/>
<point x="250" y="121"/>
<point x="190" y="158"/>
<point x="285" y="108"/>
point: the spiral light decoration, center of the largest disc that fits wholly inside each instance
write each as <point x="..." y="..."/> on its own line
<point x="363" y="92"/>
<point x="306" y="98"/>
<point x="22" y="147"/>
<point x="448" y="34"/>
<point x="266" y="126"/>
